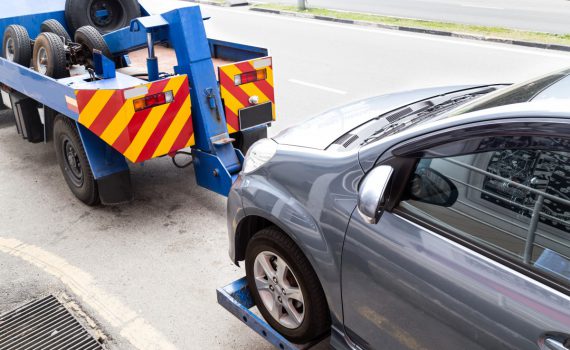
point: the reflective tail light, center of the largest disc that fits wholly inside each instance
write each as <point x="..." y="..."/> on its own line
<point x="153" y="100"/>
<point x="250" y="77"/>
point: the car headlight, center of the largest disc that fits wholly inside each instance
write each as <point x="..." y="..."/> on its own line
<point x="258" y="154"/>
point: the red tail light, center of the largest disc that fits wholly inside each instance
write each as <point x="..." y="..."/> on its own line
<point x="153" y="100"/>
<point x="250" y="77"/>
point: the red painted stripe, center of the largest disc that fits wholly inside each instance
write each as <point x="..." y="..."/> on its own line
<point x="164" y="123"/>
<point x="83" y="97"/>
<point x="108" y="113"/>
<point x="183" y="137"/>
<point x="130" y="132"/>
<point x="238" y="93"/>
<point x="232" y="119"/>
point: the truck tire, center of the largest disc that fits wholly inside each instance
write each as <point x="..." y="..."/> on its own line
<point x="293" y="303"/>
<point x="90" y="39"/>
<point x="119" y="14"/>
<point x="53" y="26"/>
<point x="49" y="56"/>
<point x="17" y="46"/>
<point x="73" y="161"/>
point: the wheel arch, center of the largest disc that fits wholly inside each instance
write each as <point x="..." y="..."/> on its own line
<point x="251" y="224"/>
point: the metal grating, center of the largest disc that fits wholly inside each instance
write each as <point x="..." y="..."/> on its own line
<point x="44" y="324"/>
<point x="399" y="114"/>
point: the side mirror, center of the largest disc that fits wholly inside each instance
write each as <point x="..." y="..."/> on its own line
<point x="372" y="192"/>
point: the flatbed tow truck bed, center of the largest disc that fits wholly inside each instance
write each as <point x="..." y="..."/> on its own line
<point x="236" y="298"/>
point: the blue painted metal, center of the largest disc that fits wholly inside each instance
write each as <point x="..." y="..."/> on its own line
<point x="104" y="67"/>
<point x="102" y="13"/>
<point x="188" y="38"/>
<point x="235" y="52"/>
<point x="236" y="298"/>
<point x="43" y="89"/>
<point x="103" y="159"/>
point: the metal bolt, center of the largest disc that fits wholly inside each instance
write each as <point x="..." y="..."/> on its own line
<point x="271" y="288"/>
<point x="215" y="172"/>
<point x="275" y="280"/>
<point x="283" y="290"/>
<point x="279" y="299"/>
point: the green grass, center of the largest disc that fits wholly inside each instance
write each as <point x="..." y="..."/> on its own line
<point x="497" y="32"/>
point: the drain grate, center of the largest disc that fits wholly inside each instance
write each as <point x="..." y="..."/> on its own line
<point x="44" y="324"/>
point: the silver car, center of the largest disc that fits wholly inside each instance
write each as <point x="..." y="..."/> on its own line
<point x="429" y="219"/>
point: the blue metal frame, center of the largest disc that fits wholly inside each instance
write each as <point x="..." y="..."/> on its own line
<point x="236" y="298"/>
<point x="103" y="159"/>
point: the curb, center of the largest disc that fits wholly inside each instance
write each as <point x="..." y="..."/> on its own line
<point x="418" y="30"/>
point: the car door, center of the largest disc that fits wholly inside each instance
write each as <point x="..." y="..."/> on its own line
<point x="472" y="249"/>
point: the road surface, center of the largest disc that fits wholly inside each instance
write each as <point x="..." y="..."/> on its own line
<point x="148" y="270"/>
<point x="543" y="16"/>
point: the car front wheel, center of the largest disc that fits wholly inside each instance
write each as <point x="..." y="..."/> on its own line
<point x="284" y="286"/>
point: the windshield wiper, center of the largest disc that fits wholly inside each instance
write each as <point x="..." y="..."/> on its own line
<point x="421" y="115"/>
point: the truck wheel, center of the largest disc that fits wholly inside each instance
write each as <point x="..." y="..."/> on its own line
<point x="284" y="286"/>
<point x="73" y="161"/>
<point x="17" y="46"/>
<point x="53" y="26"/>
<point x="105" y="15"/>
<point x="90" y="39"/>
<point x="49" y="56"/>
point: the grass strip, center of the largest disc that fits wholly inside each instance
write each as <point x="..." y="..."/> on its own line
<point x="496" y="32"/>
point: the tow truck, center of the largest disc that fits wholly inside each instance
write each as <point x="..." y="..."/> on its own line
<point x="148" y="90"/>
<point x="141" y="92"/>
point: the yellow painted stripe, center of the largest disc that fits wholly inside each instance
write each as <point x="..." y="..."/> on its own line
<point x="231" y="101"/>
<point x="173" y="131"/>
<point x="191" y="142"/>
<point x="231" y="130"/>
<point x="119" y="123"/>
<point x="90" y="112"/>
<point x="249" y="89"/>
<point x="150" y="123"/>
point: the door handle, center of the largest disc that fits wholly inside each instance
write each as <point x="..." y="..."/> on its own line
<point x="555" y="344"/>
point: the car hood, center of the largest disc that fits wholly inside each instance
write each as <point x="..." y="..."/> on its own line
<point x="322" y="130"/>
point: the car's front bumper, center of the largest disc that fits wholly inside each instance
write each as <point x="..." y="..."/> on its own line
<point x="235" y="214"/>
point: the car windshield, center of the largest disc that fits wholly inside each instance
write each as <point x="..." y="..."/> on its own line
<point x="552" y="86"/>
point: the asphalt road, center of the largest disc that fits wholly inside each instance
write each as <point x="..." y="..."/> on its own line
<point x="147" y="271"/>
<point x="543" y="15"/>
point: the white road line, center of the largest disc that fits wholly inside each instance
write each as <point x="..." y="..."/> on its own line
<point x="424" y="37"/>
<point x="132" y="326"/>
<point x="482" y="7"/>
<point x="317" y="86"/>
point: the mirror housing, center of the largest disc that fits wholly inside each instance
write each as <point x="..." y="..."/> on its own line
<point x="372" y="192"/>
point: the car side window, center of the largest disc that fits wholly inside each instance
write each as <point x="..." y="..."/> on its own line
<point x="508" y="194"/>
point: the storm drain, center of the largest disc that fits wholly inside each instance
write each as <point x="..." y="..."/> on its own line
<point x="44" y="324"/>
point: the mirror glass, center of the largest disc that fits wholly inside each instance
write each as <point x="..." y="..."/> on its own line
<point x="430" y="186"/>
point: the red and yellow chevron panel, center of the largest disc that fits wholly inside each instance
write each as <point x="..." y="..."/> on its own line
<point x="140" y="134"/>
<point x="236" y="96"/>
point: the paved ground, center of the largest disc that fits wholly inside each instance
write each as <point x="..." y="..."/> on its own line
<point x="147" y="271"/>
<point x="544" y="15"/>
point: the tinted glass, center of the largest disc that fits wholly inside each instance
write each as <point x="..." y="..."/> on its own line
<point x="503" y="198"/>
<point x="520" y="93"/>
